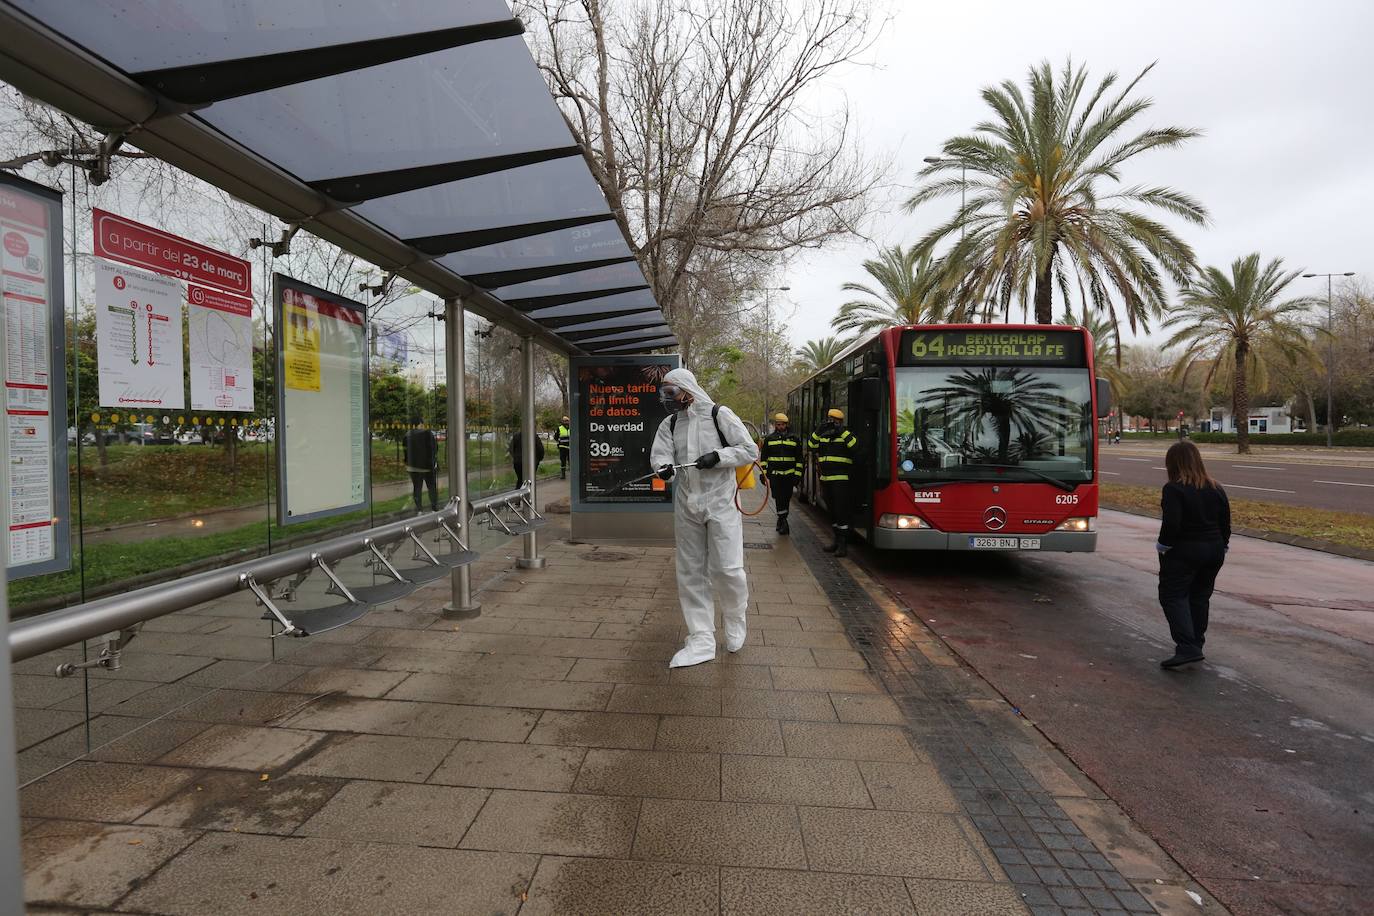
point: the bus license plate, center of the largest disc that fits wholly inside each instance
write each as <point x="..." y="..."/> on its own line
<point x="992" y="543"/>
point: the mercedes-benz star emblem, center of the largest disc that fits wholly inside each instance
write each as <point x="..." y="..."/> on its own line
<point x="995" y="518"/>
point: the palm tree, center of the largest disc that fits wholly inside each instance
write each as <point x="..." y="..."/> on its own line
<point x="905" y="294"/>
<point x="815" y="355"/>
<point x="1106" y="352"/>
<point x="1007" y="397"/>
<point x="1044" y="206"/>
<point x="1237" y="325"/>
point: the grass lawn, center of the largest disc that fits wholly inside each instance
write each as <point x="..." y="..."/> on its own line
<point x="111" y="562"/>
<point x="1348" y="528"/>
<point x="147" y="483"/>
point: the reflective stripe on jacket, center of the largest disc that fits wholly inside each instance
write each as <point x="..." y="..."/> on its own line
<point x="782" y="455"/>
<point x="834" y="452"/>
<point x="564" y="436"/>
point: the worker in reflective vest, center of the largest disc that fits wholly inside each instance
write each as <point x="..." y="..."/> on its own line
<point x="782" y="463"/>
<point x="564" y="445"/>
<point x="833" y="444"/>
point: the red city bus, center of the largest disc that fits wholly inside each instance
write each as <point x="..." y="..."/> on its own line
<point x="971" y="437"/>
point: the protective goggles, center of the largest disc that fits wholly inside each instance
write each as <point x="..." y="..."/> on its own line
<point x="674" y="398"/>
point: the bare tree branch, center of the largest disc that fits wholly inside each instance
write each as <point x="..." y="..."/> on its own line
<point x="699" y="122"/>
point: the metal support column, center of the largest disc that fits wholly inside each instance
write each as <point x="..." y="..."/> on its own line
<point x="529" y="558"/>
<point x="455" y="343"/>
<point x="11" y="870"/>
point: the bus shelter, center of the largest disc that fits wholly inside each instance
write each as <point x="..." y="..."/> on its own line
<point x="418" y="137"/>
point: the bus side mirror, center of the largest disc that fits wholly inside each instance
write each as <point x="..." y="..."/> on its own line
<point x="1104" y="398"/>
<point x="871" y="393"/>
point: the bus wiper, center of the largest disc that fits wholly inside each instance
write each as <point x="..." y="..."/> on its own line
<point x="1063" y="485"/>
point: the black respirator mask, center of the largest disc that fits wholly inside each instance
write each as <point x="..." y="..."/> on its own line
<point x="673" y="398"/>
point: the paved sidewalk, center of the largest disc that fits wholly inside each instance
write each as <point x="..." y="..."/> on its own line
<point x="542" y="759"/>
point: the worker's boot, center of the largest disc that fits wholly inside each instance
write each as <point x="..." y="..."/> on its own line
<point x="841" y="542"/>
<point x="782" y="525"/>
<point x="835" y="546"/>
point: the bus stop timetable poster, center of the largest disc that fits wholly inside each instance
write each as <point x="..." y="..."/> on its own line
<point x="322" y="393"/>
<point x="36" y="533"/>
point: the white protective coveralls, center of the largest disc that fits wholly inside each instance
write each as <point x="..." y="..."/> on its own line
<point x="706" y="523"/>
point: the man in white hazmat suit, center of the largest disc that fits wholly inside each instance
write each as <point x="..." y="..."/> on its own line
<point x="707" y="525"/>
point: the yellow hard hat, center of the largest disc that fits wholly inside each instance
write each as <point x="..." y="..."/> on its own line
<point x="835" y="413"/>
<point x="780" y="418"/>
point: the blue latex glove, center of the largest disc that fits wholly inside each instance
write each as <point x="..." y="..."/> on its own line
<point x="1161" y="549"/>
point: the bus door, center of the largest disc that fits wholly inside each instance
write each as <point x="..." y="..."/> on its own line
<point x="865" y="400"/>
<point x="820" y="403"/>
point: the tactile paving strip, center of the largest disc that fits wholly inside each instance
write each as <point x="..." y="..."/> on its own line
<point x="1054" y="866"/>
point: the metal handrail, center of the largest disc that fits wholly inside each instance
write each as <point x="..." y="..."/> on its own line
<point x="55" y="629"/>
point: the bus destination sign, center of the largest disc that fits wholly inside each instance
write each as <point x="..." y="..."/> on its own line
<point x="991" y="347"/>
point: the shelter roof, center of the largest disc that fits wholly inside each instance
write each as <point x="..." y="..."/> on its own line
<point x="417" y="134"/>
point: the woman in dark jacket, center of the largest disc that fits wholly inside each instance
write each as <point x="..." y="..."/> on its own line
<point x="1193" y="539"/>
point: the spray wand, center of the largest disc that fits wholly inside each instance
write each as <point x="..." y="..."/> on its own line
<point x="651" y="474"/>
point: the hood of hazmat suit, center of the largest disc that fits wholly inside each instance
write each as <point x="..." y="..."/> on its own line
<point x="707" y="525"/>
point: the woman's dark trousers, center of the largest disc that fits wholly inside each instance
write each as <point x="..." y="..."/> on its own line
<point x="1187" y="575"/>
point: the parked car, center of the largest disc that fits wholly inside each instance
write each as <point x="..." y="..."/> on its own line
<point x="153" y="435"/>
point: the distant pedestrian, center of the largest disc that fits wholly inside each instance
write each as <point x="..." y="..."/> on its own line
<point x="517" y="456"/>
<point x="564" y="446"/>
<point x="1193" y="539"/>
<point x="422" y="459"/>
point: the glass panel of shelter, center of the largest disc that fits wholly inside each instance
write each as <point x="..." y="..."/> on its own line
<point x="154" y="500"/>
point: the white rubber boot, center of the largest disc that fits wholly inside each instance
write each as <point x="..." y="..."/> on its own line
<point x="699" y="648"/>
<point x="735" y="631"/>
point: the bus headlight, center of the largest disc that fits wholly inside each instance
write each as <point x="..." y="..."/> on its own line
<point x="901" y="522"/>
<point x="1076" y="524"/>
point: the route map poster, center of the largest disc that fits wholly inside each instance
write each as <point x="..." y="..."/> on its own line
<point x="138" y="338"/>
<point x="322" y="458"/>
<point x="36" y="530"/>
<point x="220" y="326"/>
<point x="617" y="414"/>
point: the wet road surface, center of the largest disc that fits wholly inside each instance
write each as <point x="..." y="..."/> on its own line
<point x="1254" y="770"/>
<point x="1345" y="488"/>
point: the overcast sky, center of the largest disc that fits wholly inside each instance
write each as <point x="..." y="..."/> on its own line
<point x="1283" y="92"/>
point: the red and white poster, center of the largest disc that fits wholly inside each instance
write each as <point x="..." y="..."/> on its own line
<point x="26" y="290"/>
<point x="138" y="339"/>
<point x="124" y="240"/>
<point x="221" y="328"/>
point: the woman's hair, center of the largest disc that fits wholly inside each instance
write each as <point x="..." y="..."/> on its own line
<point x="1183" y="461"/>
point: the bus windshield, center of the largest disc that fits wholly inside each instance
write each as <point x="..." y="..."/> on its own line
<point x="1007" y="422"/>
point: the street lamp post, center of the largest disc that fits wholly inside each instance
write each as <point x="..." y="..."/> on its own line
<point x="963" y="188"/>
<point x="1330" y="354"/>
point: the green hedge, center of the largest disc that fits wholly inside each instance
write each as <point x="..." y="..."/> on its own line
<point x="1346" y="437"/>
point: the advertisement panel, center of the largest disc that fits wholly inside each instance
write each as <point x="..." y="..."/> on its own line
<point x="322" y="455"/>
<point x="391" y="344"/>
<point x="616" y="414"/>
<point x="129" y="242"/>
<point x="138" y="338"/>
<point x="37" y="532"/>
<point x="220" y="325"/>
